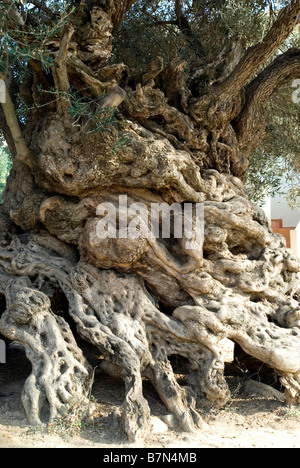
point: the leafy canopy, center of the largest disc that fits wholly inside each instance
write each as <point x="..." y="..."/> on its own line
<point x="155" y="27"/>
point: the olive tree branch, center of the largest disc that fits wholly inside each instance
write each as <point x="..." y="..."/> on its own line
<point x="282" y="70"/>
<point x="22" y="151"/>
<point x="257" y="55"/>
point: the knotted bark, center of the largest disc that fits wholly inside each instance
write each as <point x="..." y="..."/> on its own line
<point x="175" y="139"/>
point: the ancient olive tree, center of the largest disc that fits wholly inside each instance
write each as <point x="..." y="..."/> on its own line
<point x="158" y="103"/>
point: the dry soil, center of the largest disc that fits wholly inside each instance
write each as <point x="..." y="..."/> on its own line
<point x="248" y="421"/>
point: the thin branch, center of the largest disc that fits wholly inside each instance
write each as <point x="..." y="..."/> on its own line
<point x="42" y="7"/>
<point x="22" y="150"/>
<point x="186" y="29"/>
<point x="13" y="13"/>
<point x="121" y="8"/>
<point x="257" y="55"/>
<point x="182" y="21"/>
<point x="60" y="74"/>
<point x="158" y="22"/>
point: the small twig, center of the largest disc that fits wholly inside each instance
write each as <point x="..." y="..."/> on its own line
<point x="90" y="390"/>
<point x="42" y="7"/>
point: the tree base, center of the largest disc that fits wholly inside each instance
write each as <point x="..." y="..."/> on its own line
<point x="117" y="314"/>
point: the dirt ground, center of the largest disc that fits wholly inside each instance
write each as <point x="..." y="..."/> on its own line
<point x="248" y="421"/>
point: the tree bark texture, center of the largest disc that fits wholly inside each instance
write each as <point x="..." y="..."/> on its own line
<point x="142" y="301"/>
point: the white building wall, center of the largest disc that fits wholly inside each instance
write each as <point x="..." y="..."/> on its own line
<point x="267" y="208"/>
<point x="298" y="239"/>
<point x="277" y="208"/>
<point x="281" y="210"/>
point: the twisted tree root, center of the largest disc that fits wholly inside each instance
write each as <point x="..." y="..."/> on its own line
<point x="117" y="314"/>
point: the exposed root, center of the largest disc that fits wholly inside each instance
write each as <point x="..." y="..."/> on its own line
<point x="60" y="374"/>
<point x="115" y="313"/>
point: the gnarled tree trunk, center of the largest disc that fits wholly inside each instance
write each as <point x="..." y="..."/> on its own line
<point x="141" y="301"/>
